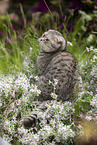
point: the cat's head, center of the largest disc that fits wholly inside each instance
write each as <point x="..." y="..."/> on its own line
<point x="52" y="41"/>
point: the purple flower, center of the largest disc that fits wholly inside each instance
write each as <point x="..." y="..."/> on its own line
<point x="14" y="17"/>
<point x="21" y="22"/>
<point x="76" y="4"/>
<point x="41" y="7"/>
<point x="70" y="27"/>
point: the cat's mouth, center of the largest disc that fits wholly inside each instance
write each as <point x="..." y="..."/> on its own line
<point x="49" y="49"/>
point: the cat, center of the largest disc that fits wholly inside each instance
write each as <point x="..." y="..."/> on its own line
<point x="54" y="62"/>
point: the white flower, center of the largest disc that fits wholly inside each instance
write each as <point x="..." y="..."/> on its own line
<point x="0" y="104"/>
<point x="95" y="50"/>
<point x="95" y="57"/>
<point x="50" y="82"/>
<point x="65" y="132"/>
<point x="88" y="117"/>
<point x="31" y="76"/>
<point x="87" y="49"/>
<point x="37" y="78"/>
<point x="55" y="82"/>
<point x="22" y="82"/>
<point x="94" y="101"/>
<point x="69" y="43"/>
<point x="91" y="48"/>
<point x="30" y="48"/>
<point x="6" y="84"/>
<point x="34" y="90"/>
<point x="54" y="96"/>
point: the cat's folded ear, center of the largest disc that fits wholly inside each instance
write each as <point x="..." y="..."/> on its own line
<point x="62" y="43"/>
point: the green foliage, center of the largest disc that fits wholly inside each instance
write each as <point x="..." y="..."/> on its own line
<point x="10" y="59"/>
<point x="18" y="79"/>
<point x="13" y="53"/>
<point x="81" y="106"/>
<point x="81" y="23"/>
<point x="3" y="21"/>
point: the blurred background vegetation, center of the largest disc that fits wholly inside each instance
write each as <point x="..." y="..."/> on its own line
<point x="22" y="22"/>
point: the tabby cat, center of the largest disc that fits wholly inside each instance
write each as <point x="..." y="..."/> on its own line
<point x="54" y="62"/>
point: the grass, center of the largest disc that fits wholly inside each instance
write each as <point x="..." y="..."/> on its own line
<point x="13" y="52"/>
<point x="18" y="90"/>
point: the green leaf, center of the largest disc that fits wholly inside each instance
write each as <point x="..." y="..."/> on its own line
<point x="82" y="106"/>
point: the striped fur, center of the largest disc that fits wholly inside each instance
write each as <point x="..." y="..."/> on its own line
<point x="54" y="62"/>
<point x="58" y="64"/>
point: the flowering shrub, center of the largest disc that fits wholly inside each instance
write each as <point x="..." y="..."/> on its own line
<point x="17" y="100"/>
<point x="89" y="71"/>
<point x="15" y="92"/>
<point x="52" y="127"/>
<point x="57" y="120"/>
